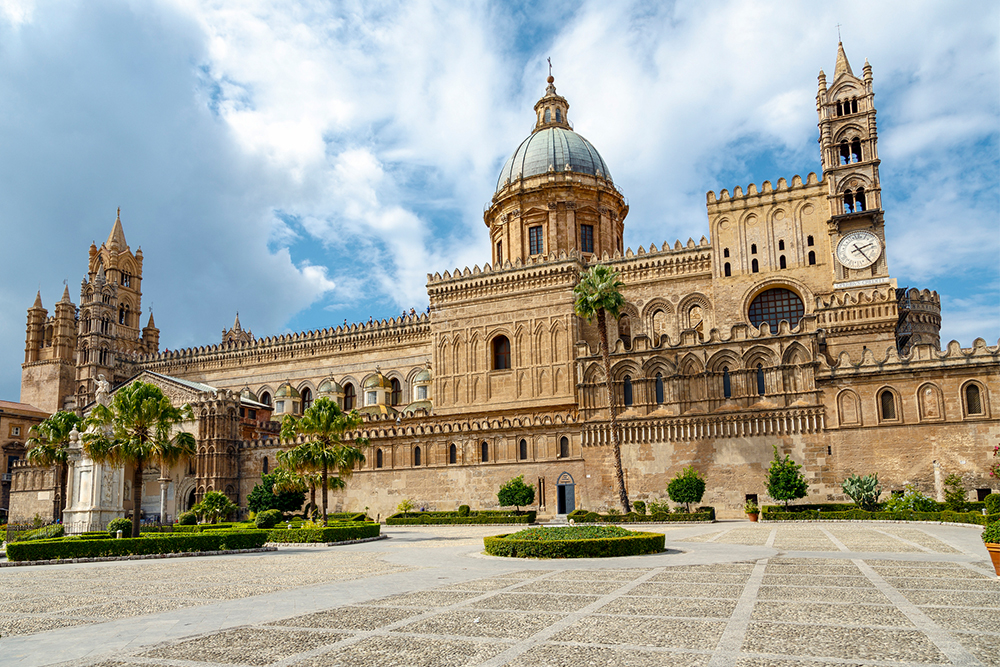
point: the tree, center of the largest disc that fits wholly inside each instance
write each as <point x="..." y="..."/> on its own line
<point x="214" y="505"/>
<point x="687" y="487"/>
<point x="954" y="492"/>
<point x="324" y="424"/>
<point x="47" y="447"/>
<point x="139" y="428"/>
<point x="864" y="491"/>
<point x="271" y="494"/>
<point x="598" y="294"/>
<point x="516" y="493"/>
<point x="785" y="480"/>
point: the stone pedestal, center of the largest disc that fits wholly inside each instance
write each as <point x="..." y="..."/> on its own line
<point x="94" y="491"/>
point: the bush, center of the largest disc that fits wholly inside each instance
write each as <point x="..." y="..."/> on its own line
<point x="121" y="524"/>
<point x="267" y="519"/>
<point x="993" y="503"/>
<point x="574" y="542"/>
<point x="785" y="480"/>
<point x="187" y="519"/>
<point x="215" y="505"/>
<point x="954" y="492"/>
<point x="405" y="505"/>
<point x="262" y="497"/>
<point x="515" y="493"/>
<point x="639" y="507"/>
<point x="864" y="491"/>
<point x="44" y="533"/>
<point x="773" y="513"/>
<point x="687" y="487"/>
<point x="150" y="544"/>
<point x="991" y="535"/>
<point x="440" y="518"/>
<point x="703" y="514"/>
<point x="463" y="510"/>
<point x="339" y="517"/>
<point x="911" y="501"/>
<point x="355" y="531"/>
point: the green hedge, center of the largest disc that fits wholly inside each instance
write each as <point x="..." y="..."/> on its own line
<point x="639" y="543"/>
<point x="969" y="506"/>
<point x="354" y="531"/>
<point x="353" y="517"/>
<point x="860" y="515"/>
<point x="483" y="517"/>
<point x="583" y="516"/>
<point x="148" y="544"/>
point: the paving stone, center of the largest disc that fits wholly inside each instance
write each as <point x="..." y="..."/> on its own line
<point x="956" y="572"/>
<point x="772" y="662"/>
<point x="624" y="574"/>
<point x="983" y="647"/>
<point x="846" y="568"/>
<point x="395" y="651"/>
<point x="481" y="585"/>
<point x="476" y="623"/>
<point x="814" y="562"/>
<point x="953" y="599"/>
<point x="554" y="655"/>
<point x="46" y="604"/>
<point x="424" y="599"/>
<point x="350" y="618"/>
<point x="839" y="642"/>
<point x="964" y="619"/>
<point x="128" y="607"/>
<point x="713" y="567"/>
<point x="703" y="635"/>
<point x="11" y="625"/>
<point x="670" y="576"/>
<point x="817" y="580"/>
<point x="835" y="614"/>
<point x="944" y="583"/>
<point x="535" y="602"/>
<point x="249" y="646"/>
<point x="580" y="587"/>
<point x="822" y="594"/>
<point x="682" y="607"/>
<point x="687" y="590"/>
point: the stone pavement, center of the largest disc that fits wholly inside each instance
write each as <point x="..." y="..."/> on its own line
<point x="730" y="593"/>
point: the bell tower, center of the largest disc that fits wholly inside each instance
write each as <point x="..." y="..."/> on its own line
<point x="849" y="151"/>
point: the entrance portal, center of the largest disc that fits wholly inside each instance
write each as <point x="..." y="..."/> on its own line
<point x="565" y="493"/>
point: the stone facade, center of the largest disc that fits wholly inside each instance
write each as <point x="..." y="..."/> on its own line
<point x="16" y="420"/>
<point x="783" y="328"/>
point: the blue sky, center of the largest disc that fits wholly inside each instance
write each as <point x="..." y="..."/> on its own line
<point x="309" y="162"/>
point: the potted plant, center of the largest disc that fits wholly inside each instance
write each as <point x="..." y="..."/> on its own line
<point x="751" y="509"/>
<point x="991" y="537"/>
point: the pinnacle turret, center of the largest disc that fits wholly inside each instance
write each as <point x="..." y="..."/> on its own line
<point x="117" y="235"/>
<point x="842" y="65"/>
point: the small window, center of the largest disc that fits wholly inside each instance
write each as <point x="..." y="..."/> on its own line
<point x="378" y="458"/>
<point x="564" y="447"/>
<point x="781" y="245"/>
<point x="371" y="398"/>
<point x="812" y="258"/>
<point x="396" y="395"/>
<point x="854" y="106"/>
<point x="973" y="400"/>
<point x="859" y="200"/>
<point x="349" y="396"/>
<point x="587" y="238"/>
<point x="535" y="244"/>
<point x="754" y="266"/>
<point x="501" y="353"/>
<point x="887" y="403"/>
<point x="558" y="115"/>
<point x="727" y="270"/>
<point x="422" y="393"/>
<point x="725" y="252"/>
<point x="548" y="115"/>
<point x="499" y="253"/>
<point x="15" y="431"/>
<point x="627" y="390"/>
<point x="307" y="398"/>
<point x="727" y="383"/>
<point x="265" y="398"/>
<point x="522" y="450"/>
<point x="453" y="454"/>
<point x="848" y="202"/>
<point x="760" y="379"/>
<point x="265" y="466"/>
<point x="809" y="241"/>
<point x="845" y="152"/>
<point x="484" y="452"/>
<point x="659" y="389"/>
<point x="625" y="331"/>
<point x="753" y="248"/>
<point x="416" y="456"/>
<point x="782" y="263"/>
<point x="856" y="150"/>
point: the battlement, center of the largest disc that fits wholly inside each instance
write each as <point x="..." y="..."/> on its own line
<point x="753" y="196"/>
<point x="919" y="356"/>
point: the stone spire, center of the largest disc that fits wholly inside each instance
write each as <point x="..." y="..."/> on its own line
<point x="38" y="300"/>
<point x="842" y="64"/>
<point x="65" y="296"/>
<point x="117" y="234"/>
<point x="151" y="325"/>
<point x="236" y="324"/>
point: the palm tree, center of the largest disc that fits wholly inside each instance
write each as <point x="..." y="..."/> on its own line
<point x="324" y="424"/>
<point x="295" y="472"/>
<point x="137" y="430"/>
<point x="48" y="448"/>
<point x="598" y="294"/>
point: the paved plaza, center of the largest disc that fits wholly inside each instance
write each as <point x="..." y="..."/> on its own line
<point x="730" y="593"/>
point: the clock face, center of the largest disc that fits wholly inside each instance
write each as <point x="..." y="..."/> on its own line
<point x="858" y="249"/>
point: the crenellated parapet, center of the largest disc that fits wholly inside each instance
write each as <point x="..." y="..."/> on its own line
<point x="767" y="194"/>
<point x="919" y="357"/>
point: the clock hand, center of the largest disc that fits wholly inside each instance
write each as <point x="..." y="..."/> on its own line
<point x="861" y="251"/>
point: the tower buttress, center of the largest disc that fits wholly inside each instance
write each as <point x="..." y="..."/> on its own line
<point x="35" y="335"/>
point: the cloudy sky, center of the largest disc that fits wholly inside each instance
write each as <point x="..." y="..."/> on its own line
<point x="309" y="162"/>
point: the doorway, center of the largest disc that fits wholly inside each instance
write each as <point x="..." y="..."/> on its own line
<point x="565" y="494"/>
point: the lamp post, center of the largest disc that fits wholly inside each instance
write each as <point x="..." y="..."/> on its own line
<point x="164" y="484"/>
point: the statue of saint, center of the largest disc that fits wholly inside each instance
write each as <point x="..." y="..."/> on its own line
<point x="103" y="394"/>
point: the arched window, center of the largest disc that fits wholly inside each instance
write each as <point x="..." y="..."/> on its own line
<point x="564" y="447"/>
<point x="887" y="404"/>
<point x="659" y="389"/>
<point x="378" y="458"/>
<point x="840" y="109"/>
<point x="754" y="266"/>
<point x="753" y="248"/>
<point x="809" y="241"/>
<point x="265" y="466"/>
<point x="727" y="383"/>
<point x="856" y="150"/>
<point x="499" y="253"/>
<point x="350" y="397"/>
<point x="973" y="400"/>
<point x="848" y="202"/>
<point x="558" y="115"/>
<point x="725" y="252"/>
<point x="416" y="456"/>
<point x="625" y="331"/>
<point x="627" y="390"/>
<point x="812" y="258"/>
<point x="396" y="395"/>
<point x="484" y="452"/>
<point x="265" y="398"/>
<point x="781" y="245"/>
<point x="854" y="106"/>
<point x="522" y="450"/>
<point x="774" y="305"/>
<point x="760" y="379"/>
<point x="782" y="264"/>
<point x="548" y="115"/>
<point x="307" y="398"/>
<point x="859" y="200"/>
<point x="453" y="454"/>
<point x="727" y="269"/>
<point x="501" y="353"/>
<point x="121" y="314"/>
<point x="845" y="152"/>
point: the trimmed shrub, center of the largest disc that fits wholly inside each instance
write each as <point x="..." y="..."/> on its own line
<point x="992" y="503"/>
<point x="954" y="492"/>
<point x="187" y="519"/>
<point x="150" y="544"/>
<point x="991" y="535"/>
<point x="574" y="542"/>
<point x="777" y="514"/>
<point x="124" y="525"/>
<point x="353" y="531"/>
<point x="687" y="487"/>
<point x="515" y="493"/>
<point x="267" y="519"/>
<point x="639" y="507"/>
<point x="262" y="497"/>
<point x="45" y="532"/>
<point x="703" y="514"/>
<point x="785" y="480"/>
<point x="463" y="510"/>
<point x="440" y="518"/>
<point x="340" y="517"/>
<point x="911" y="500"/>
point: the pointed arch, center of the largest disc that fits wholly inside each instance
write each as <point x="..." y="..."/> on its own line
<point x="848" y="408"/>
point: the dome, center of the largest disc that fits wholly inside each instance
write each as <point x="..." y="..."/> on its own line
<point x="378" y="381"/>
<point x="328" y="387"/>
<point x="553" y="149"/>
<point x="248" y="395"/>
<point x="422" y="377"/>
<point x="286" y="391"/>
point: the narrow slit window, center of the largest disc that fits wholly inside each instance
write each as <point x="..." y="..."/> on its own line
<point x="416" y="456"/>
<point x="760" y="379"/>
<point x="753" y="248"/>
<point x="453" y="454"/>
<point x="782" y="264"/>
<point x="973" y="400"/>
<point x="627" y="390"/>
<point x="727" y="383"/>
<point x="536" y="246"/>
<point x="484" y="452"/>
<point x="659" y="389"/>
<point x="378" y="458"/>
<point x="725" y="252"/>
<point x="754" y="266"/>
<point x="888" y="403"/>
<point x="587" y="238"/>
<point x="564" y="447"/>
<point x="812" y="257"/>
<point x="809" y="241"/>
<point x="727" y="269"/>
<point x="522" y="450"/>
<point x="781" y="245"/>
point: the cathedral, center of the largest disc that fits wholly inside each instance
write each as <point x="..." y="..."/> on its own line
<point x="782" y="327"/>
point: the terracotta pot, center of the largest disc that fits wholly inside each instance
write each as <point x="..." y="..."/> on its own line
<point x="994" y="550"/>
<point x="753" y="516"/>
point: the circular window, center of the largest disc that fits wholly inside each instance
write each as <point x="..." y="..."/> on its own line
<point x="774" y="305"/>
